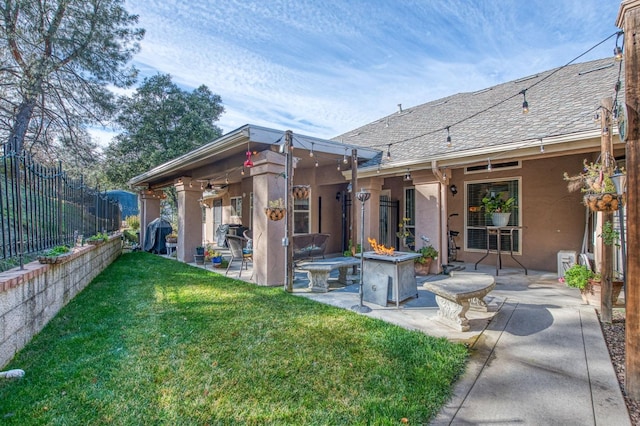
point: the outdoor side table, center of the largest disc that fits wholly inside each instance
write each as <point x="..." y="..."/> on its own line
<point x="170" y="248"/>
<point x="499" y="232"/>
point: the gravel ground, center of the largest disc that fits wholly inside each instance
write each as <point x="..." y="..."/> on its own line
<point x="614" y="336"/>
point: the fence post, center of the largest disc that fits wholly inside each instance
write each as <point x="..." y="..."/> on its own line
<point x="16" y="170"/>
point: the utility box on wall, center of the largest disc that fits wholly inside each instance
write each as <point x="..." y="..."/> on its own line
<point x="566" y="259"/>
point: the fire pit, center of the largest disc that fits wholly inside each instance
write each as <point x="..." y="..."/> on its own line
<point x="399" y="272"/>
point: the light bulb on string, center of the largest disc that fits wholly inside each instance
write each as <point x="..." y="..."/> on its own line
<point x="311" y="152"/>
<point x="525" y="104"/>
<point x="541" y="146"/>
<point x="344" y="159"/>
<point x="448" y="138"/>
<point x="489" y="164"/>
<point x="389" y="152"/>
<point x="316" y="163"/>
<point x="242" y="172"/>
<point x="617" y="51"/>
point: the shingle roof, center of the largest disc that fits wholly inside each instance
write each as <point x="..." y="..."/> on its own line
<point x="562" y="101"/>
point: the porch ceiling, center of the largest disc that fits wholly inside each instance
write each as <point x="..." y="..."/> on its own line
<point x="222" y="159"/>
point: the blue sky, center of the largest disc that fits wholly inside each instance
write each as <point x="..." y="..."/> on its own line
<point x="322" y="68"/>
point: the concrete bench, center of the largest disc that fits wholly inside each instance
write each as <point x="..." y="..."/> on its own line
<point x="318" y="271"/>
<point x="456" y="294"/>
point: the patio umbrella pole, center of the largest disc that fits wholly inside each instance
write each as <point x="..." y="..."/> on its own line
<point x="363" y="197"/>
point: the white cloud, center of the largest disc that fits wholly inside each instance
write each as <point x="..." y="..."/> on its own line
<point x="322" y="68"/>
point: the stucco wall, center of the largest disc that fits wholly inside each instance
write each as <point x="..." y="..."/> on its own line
<point x="30" y="298"/>
<point x="553" y="218"/>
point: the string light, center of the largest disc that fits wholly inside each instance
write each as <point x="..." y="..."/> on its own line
<point x="407" y="176"/>
<point x="389" y="152"/>
<point x="378" y="169"/>
<point x="311" y="152"/>
<point x="541" y="146"/>
<point x="242" y="172"/>
<point x="448" y="138"/>
<point x="488" y="164"/>
<point x="338" y="166"/>
<point x="525" y="104"/>
<point x="226" y="179"/>
<point x="316" y="163"/>
<point x="617" y="51"/>
<point x="344" y="159"/>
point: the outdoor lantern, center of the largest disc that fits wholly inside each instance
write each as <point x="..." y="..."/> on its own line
<point x="453" y="189"/>
<point x="619" y="180"/>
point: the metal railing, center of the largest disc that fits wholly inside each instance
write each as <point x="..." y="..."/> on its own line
<point x="41" y="207"/>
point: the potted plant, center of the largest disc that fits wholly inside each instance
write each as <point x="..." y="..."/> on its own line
<point x="171" y="238"/>
<point x="276" y="209"/>
<point x="499" y="206"/>
<point x="198" y="258"/>
<point x="578" y="276"/>
<point x="56" y="254"/>
<point x="422" y="264"/>
<point x="97" y="239"/>
<point x="596" y="184"/>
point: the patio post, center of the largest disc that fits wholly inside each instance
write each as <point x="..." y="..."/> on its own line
<point x="189" y="219"/>
<point x="149" y="210"/>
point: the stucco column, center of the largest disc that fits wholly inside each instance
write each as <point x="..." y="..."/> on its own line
<point x="268" y="252"/>
<point x="371" y="210"/>
<point x="149" y="210"/>
<point x="430" y="199"/>
<point x="189" y="219"/>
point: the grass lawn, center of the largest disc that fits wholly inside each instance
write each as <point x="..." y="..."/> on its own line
<point x="154" y="341"/>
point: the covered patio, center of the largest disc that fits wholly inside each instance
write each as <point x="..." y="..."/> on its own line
<point x="231" y="181"/>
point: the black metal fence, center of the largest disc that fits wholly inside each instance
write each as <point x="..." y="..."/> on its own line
<point x="42" y="207"/>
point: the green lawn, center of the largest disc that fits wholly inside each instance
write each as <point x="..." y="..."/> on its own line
<point x="154" y="341"/>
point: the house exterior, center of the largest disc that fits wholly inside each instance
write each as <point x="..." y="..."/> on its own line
<point x="435" y="161"/>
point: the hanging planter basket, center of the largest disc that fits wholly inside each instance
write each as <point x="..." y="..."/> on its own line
<point x="300" y="192"/>
<point x="604" y="202"/>
<point x="275" y="213"/>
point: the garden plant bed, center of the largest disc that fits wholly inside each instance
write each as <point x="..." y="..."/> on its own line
<point x="614" y="336"/>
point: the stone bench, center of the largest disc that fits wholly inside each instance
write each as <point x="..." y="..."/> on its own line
<point x="456" y="294"/>
<point x="318" y="271"/>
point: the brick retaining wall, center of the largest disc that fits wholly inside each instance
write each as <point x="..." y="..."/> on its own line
<point x="29" y="298"/>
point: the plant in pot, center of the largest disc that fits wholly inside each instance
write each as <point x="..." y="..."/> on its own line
<point x="422" y="264"/>
<point x="276" y="209"/>
<point x="171" y="238"/>
<point x="98" y="238"/>
<point x="55" y="255"/>
<point x="499" y="206"/>
<point x="595" y="183"/>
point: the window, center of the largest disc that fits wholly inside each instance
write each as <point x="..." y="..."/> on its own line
<point x="301" y="216"/>
<point x="409" y="217"/>
<point x="236" y="206"/>
<point x="251" y="210"/>
<point x="476" y="220"/>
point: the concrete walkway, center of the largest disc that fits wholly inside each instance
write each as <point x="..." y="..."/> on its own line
<point x="537" y="358"/>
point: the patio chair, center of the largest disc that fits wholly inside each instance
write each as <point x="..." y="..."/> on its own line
<point x="236" y="244"/>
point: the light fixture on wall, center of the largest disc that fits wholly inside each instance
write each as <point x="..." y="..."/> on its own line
<point x="453" y="189"/>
